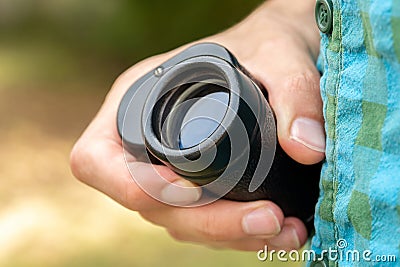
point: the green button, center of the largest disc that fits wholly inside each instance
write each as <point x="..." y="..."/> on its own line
<point x="324" y="15"/>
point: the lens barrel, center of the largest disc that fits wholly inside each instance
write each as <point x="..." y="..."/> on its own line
<point x="202" y="115"/>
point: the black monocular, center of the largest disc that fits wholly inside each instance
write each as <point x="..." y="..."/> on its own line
<point x="202" y="114"/>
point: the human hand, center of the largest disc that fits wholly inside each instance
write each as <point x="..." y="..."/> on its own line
<point x="280" y="54"/>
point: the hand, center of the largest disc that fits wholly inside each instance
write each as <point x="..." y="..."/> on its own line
<point x="278" y="45"/>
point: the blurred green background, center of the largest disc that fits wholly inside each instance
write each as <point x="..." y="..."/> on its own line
<point x="58" y="58"/>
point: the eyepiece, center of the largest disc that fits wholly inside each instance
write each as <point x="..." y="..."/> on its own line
<point x="205" y="118"/>
<point x="187" y="114"/>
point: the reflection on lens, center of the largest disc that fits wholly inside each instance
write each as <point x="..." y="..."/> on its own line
<point x="202" y="119"/>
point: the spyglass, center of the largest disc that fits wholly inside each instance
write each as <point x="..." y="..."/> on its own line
<point x="202" y="114"/>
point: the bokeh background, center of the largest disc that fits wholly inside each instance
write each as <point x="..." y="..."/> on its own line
<point x="58" y="59"/>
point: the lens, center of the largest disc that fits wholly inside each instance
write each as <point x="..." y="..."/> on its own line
<point x="192" y="113"/>
<point x="202" y="119"/>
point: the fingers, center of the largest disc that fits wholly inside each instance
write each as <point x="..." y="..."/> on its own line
<point x="292" y="236"/>
<point x="236" y="225"/>
<point x="100" y="163"/>
<point x="220" y="221"/>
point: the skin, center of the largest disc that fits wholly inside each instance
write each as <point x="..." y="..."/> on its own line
<point x="278" y="44"/>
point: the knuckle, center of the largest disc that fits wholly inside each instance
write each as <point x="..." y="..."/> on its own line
<point x="123" y="78"/>
<point x="149" y="216"/>
<point x="177" y="235"/>
<point x="303" y="82"/>
<point x="132" y="197"/>
<point x="80" y="158"/>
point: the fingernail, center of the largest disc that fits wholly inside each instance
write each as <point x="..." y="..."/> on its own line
<point x="288" y="238"/>
<point x="179" y="193"/>
<point x="309" y="133"/>
<point x="261" y="221"/>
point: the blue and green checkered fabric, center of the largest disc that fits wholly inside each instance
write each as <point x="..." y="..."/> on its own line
<point x="360" y="180"/>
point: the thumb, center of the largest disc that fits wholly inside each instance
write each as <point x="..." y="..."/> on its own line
<point x="292" y="81"/>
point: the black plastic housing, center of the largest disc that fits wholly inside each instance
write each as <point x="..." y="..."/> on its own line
<point x="291" y="185"/>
